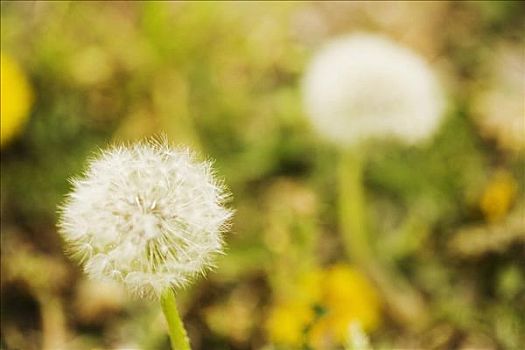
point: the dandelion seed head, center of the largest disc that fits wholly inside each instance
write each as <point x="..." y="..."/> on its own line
<point x="365" y="86"/>
<point x="147" y="215"/>
<point x="498" y="106"/>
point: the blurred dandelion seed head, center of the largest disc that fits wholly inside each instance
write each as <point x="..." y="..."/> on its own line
<point x="499" y="107"/>
<point x="146" y="215"/>
<point x="365" y="86"/>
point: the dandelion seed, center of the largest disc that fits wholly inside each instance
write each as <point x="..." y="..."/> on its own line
<point x="148" y="216"/>
<point x="365" y="86"/>
<point x="499" y="107"/>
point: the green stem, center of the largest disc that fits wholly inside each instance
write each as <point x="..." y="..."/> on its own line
<point x="352" y="209"/>
<point x="178" y="336"/>
<point x="405" y="302"/>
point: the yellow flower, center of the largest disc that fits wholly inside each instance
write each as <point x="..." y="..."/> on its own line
<point x="16" y="99"/>
<point x="287" y="321"/>
<point x="289" y="318"/>
<point x="498" y="196"/>
<point x="308" y="289"/>
<point x="349" y="297"/>
<point x="322" y="306"/>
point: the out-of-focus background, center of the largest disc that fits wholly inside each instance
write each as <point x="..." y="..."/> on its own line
<point x="225" y="77"/>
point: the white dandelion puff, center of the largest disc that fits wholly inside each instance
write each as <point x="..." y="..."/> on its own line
<point x="147" y="215"/>
<point x="499" y="108"/>
<point x="365" y="86"/>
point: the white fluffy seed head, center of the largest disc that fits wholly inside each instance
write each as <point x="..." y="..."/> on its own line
<point x="365" y="86"/>
<point x="147" y="215"/>
<point x="499" y="107"/>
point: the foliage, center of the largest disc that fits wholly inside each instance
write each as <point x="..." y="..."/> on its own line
<point x="224" y="78"/>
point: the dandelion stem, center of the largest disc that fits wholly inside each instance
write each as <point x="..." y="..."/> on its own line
<point x="178" y="337"/>
<point x="404" y="301"/>
<point x="352" y="208"/>
<point x="53" y="322"/>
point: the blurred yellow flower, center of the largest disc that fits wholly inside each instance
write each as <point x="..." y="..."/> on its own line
<point x="288" y="319"/>
<point x="322" y="307"/>
<point x="349" y="297"/>
<point x="16" y="99"/>
<point x="498" y="196"/>
<point x="308" y="289"/>
<point x="287" y="322"/>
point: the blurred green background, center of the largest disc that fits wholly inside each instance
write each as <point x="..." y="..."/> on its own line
<point x="225" y="79"/>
